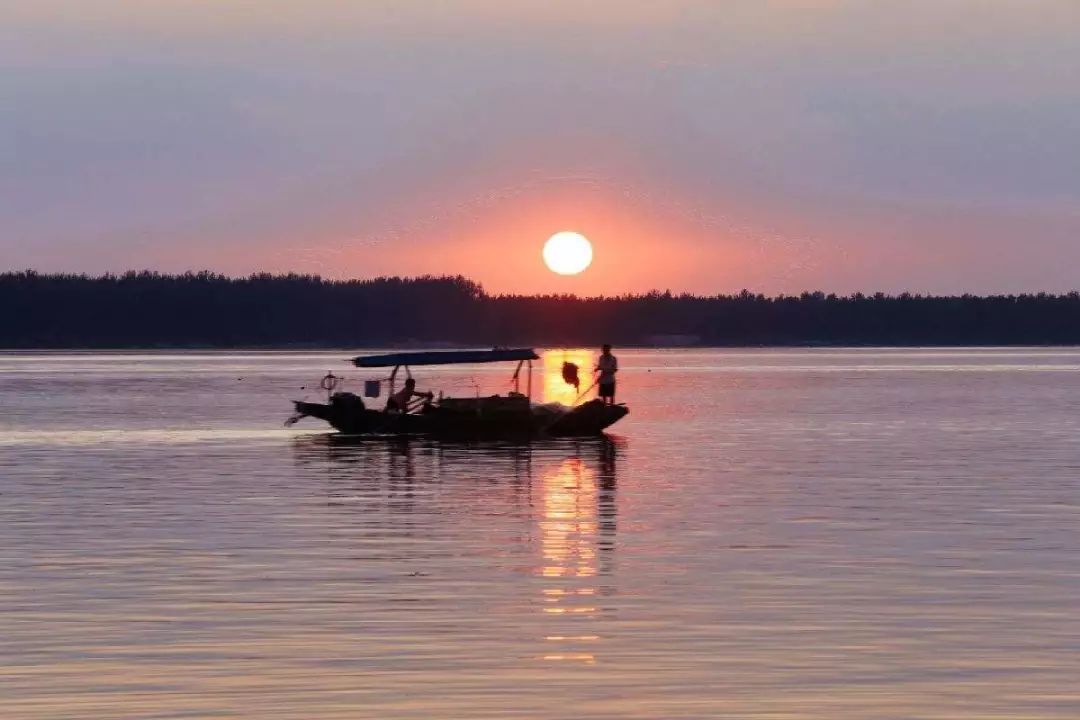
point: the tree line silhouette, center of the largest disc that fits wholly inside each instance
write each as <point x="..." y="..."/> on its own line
<point x="204" y="309"/>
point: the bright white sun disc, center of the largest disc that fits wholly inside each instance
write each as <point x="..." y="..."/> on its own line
<point x="567" y="253"/>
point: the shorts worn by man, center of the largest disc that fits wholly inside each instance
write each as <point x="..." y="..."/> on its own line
<point x="607" y="366"/>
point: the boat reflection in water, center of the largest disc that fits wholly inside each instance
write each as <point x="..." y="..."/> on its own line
<point x="522" y="534"/>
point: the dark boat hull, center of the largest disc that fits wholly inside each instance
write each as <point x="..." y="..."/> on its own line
<point x="590" y="418"/>
<point x="351" y="418"/>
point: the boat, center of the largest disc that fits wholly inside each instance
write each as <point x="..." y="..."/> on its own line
<point x="513" y="414"/>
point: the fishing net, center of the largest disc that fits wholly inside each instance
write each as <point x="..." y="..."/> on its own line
<point x="570" y="374"/>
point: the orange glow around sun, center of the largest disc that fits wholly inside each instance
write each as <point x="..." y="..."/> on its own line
<point x="635" y="247"/>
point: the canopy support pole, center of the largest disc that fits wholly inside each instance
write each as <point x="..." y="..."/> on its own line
<point x="517" y="377"/>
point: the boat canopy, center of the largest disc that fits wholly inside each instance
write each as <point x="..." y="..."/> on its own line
<point x="445" y="357"/>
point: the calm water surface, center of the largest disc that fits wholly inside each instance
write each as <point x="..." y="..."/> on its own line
<point x="780" y="534"/>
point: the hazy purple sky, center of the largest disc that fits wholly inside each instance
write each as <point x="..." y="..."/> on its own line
<point x="708" y="145"/>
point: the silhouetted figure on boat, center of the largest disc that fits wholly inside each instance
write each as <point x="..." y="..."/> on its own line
<point x="399" y="401"/>
<point x="607" y="365"/>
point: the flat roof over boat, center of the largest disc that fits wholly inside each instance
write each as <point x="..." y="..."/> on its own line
<point x="445" y="357"/>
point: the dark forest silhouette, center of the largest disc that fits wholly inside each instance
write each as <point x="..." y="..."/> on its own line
<point x="149" y="309"/>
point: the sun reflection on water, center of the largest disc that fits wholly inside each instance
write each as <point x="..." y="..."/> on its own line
<point x="577" y="526"/>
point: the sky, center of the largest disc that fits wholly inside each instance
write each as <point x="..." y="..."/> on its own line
<point x="702" y="145"/>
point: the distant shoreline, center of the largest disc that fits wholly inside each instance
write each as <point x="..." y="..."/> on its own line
<point x="205" y="311"/>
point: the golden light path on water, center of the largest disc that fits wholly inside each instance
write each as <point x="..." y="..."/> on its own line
<point x="569" y="544"/>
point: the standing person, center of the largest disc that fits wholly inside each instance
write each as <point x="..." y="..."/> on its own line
<point x="607" y="366"/>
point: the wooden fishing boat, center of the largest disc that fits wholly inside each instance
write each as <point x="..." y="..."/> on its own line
<point x="513" y="414"/>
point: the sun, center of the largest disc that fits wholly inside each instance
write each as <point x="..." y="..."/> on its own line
<point x="567" y="253"/>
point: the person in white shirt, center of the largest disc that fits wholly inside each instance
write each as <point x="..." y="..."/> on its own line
<point x="607" y="366"/>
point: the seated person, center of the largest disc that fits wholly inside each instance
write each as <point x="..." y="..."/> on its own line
<point x="399" y="401"/>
